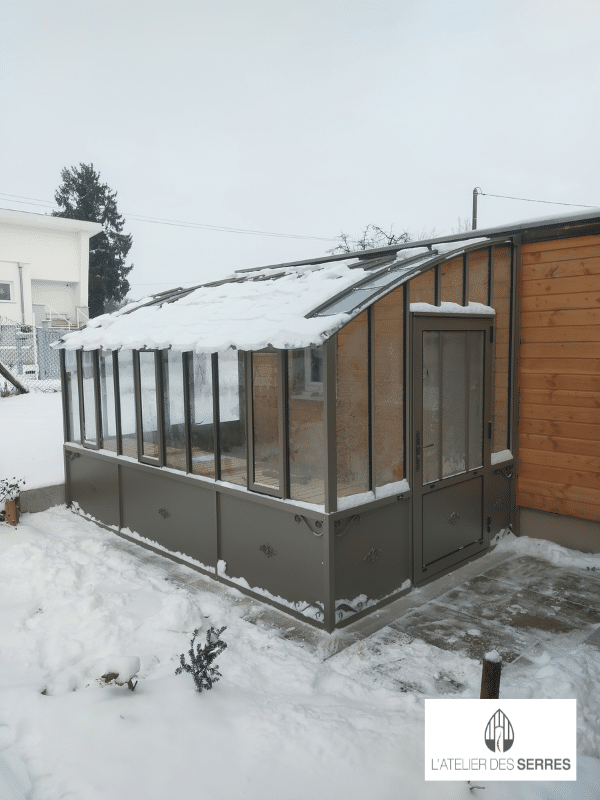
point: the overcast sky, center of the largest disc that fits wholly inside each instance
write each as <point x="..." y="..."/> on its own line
<point x="305" y="117"/>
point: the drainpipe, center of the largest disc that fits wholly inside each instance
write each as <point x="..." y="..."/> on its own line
<point x="21" y="290"/>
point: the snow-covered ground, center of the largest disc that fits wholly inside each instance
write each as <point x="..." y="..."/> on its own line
<point x="31" y="438"/>
<point x="284" y="722"/>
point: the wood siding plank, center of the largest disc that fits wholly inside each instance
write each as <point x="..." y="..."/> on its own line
<point x="556" y="302"/>
<point x="560" y="397"/>
<point x="558" y="318"/>
<point x="559" y="413"/>
<point x="565" y="461"/>
<point x="558" y="444"/>
<point x="586" y="383"/>
<point x="567" y="333"/>
<point x="568" y="430"/>
<point x="571" y="350"/>
<point x="564" y="366"/>
<point x="556" y="505"/>
<point x="560" y="269"/>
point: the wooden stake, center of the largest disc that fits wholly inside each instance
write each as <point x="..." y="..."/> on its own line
<point x="490" y="676"/>
<point x="12" y="511"/>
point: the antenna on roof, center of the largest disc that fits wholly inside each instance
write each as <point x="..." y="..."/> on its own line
<point x="476" y="191"/>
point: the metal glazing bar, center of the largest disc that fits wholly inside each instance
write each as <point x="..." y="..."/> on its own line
<point x="187" y="371"/>
<point x="282" y="423"/>
<point x="216" y="415"/>
<point x="249" y="419"/>
<point x="160" y="419"/>
<point x="329" y="419"/>
<point x="78" y="361"/>
<point x="370" y="397"/>
<point x="65" y="395"/>
<point x="118" y="432"/>
<point x="97" y="401"/>
<point x="138" y="402"/>
<point x="465" y="279"/>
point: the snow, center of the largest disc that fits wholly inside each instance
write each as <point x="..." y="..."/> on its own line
<point x="390" y="489"/>
<point x="493" y="655"/>
<point x="31" y="439"/>
<point x="248" y="315"/>
<point x="503" y="455"/>
<point x="452" y="308"/>
<point x="283" y="722"/>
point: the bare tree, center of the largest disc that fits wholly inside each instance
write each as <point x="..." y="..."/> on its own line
<point x="372" y="236"/>
<point x="462" y="226"/>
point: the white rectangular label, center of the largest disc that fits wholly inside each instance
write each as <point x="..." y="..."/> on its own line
<point x="500" y="740"/>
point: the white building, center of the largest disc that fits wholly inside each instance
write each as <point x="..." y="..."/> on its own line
<point x="44" y="264"/>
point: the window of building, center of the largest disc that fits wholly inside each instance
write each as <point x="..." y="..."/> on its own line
<point x="6" y="292"/>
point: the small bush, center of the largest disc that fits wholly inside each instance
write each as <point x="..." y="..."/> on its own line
<point x="200" y="668"/>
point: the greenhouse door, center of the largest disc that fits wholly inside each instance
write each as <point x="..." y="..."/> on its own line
<point x="450" y="441"/>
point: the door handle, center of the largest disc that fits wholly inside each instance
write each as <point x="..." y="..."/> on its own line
<point x="420" y="447"/>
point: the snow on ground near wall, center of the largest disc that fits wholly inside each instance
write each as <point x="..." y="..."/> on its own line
<point x="281" y="724"/>
<point x="31" y="439"/>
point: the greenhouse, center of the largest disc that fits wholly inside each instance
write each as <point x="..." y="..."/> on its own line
<point x="321" y="434"/>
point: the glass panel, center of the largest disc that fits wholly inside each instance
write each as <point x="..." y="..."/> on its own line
<point x="478" y="277"/>
<point x="501" y="303"/>
<point x="150" y="445"/>
<point x="451" y="281"/>
<point x="454" y="407"/>
<point x="352" y="418"/>
<point x="265" y="419"/>
<point x="72" y="392"/>
<point x="232" y="413"/>
<point x="89" y="398"/>
<point x="127" y="403"/>
<point x="388" y="379"/>
<point x="107" y="401"/>
<point x="475" y="344"/>
<point x="201" y="412"/>
<point x="422" y="288"/>
<point x="347" y="304"/>
<point x="307" y="433"/>
<point x="430" y="437"/>
<point x="174" y="410"/>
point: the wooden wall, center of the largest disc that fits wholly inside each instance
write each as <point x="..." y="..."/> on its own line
<point x="559" y="377"/>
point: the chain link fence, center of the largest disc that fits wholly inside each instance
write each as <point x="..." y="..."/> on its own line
<point x="26" y="353"/>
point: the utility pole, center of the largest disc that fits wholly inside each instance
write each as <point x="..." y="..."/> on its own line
<point x="476" y="191"/>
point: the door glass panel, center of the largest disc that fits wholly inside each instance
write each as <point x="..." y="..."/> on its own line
<point x="201" y="410"/>
<point x="454" y="406"/>
<point x="265" y="419"/>
<point x="430" y="438"/>
<point x="475" y="343"/>
<point x="127" y="404"/>
<point x="232" y="417"/>
<point x="175" y="455"/>
<point x="149" y="408"/>
<point x="72" y="389"/>
<point x="107" y="401"/>
<point x="89" y="398"/>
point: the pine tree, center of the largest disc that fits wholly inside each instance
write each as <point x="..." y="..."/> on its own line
<point x="82" y="196"/>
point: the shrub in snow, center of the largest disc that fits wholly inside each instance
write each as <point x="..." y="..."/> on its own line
<point x="203" y="673"/>
<point x="10" y="488"/>
<point x="118" y="671"/>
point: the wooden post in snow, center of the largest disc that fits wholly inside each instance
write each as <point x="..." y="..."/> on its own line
<point x="490" y="676"/>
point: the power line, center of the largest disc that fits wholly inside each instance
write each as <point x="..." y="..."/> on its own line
<point x="528" y="200"/>
<point x="15" y="198"/>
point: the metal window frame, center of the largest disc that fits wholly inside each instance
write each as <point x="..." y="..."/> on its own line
<point x="189" y="403"/>
<point x="282" y="425"/>
<point x="97" y="445"/>
<point x="117" y="408"/>
<point x="165" y="392"/>
<point x="144" y="459"/>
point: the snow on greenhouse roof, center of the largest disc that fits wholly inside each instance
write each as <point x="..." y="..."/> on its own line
<point x="262" y="309"/>
<point x="284" y="306"/>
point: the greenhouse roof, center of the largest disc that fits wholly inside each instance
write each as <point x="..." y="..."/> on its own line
<point x="284" y="306"/>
